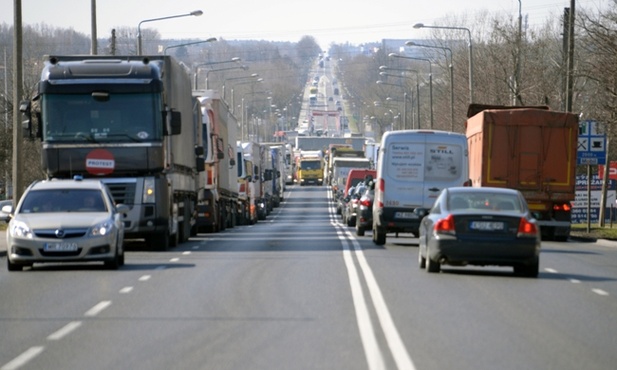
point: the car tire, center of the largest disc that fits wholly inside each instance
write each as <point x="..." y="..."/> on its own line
<point x="421" y="259"/>
<point x="13" y="266"/>
<point x="379" y="236"/>
<point x="530" y="270"/>
<point x="113" y="264"/>
<point x="431" y="266"/>
<point x="351" y="221"/>
<point x="359" y="230"/>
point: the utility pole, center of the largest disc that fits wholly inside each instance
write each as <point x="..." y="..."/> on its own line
<point x="94" y="47"/>
<point x="18" y="186"/>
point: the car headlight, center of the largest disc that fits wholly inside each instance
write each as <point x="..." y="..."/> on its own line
<point x="20" y="229"/>
<point x="101" y="229"/>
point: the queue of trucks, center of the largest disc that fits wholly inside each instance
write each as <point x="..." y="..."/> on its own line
<point x="173" y="155"/>
<point x="170" y="153"/>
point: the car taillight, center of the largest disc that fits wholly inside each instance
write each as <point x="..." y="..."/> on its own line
<point x="526" y="228"/>
<point x="562" y="207"/>
<point x="365" y="202"/>
<point x="381" y="185"/>
<point x="445" y="225"/>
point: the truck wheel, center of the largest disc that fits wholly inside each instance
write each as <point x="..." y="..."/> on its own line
<point x="158" y="241"/>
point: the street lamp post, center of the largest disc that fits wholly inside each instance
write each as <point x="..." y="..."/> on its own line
<point x="404" y="121"/>
<point x="255" y="129"/>
<point x="211" y="39"/>
<point x="252" y="76"/>
<point x="242" y="67"/>
<point x="198" y="66"/>
<point x="386" y="68"/>
<point x="195" y="13"/>
<point x="430" y="78"/>
<point x="421" y="25"/>
<point x="451" y="67"/>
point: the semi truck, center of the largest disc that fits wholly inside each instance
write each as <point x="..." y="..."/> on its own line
<point x="219" y="204"/>
<point x="531" y="149"/>
<point x="246" y="198"/>
<point x="253" y="154"/>
<point x="129" y="121"/>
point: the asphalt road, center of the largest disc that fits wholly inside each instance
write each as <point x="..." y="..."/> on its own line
<point x="300" y="290"/>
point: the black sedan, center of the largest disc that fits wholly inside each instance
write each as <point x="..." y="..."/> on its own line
<point x="480" y="226"/>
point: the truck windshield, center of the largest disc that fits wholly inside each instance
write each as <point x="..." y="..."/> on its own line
<point x="117" y="118"/>
<point x="310" y="165"/>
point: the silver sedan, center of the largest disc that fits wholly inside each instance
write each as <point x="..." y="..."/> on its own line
<point x="65" y="221"/>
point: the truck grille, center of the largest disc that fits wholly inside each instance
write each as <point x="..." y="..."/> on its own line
<point x="123" y="192"/>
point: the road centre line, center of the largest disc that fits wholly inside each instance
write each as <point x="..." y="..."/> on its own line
<point x="395" y="343"/>
<point x="97" y="308"/>
<point x="372" y="352"/>
<point x="22" y="359"/>
<point x="64" y="331"/>
<point x="126" y="289"/>
<point x="600" y="292"/>
<point x="397" y="348"/>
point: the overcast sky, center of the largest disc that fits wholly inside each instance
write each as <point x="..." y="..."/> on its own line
<point x="354" y="21"/>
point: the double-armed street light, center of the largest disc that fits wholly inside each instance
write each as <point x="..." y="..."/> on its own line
<point x="211" y="39"/>
<point x="451" y="67"/>
<point x="198" y="66"/>
<point x="242" y="67"/>
<point x="254" y="78"/>
<point x="430" y="78"/>
<point x="421" y="25"/>
<point x="195" y="13"/>
<point x="386" y="69"/>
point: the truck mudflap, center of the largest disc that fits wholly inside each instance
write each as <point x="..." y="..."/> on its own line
<point x="555" y="230"/>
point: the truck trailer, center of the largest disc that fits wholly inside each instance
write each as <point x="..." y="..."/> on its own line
<point x="129" y="121"/>
<point x="531" y="149"/>
<point x="219" y="204"/>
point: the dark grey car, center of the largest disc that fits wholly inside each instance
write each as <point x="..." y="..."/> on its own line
<point x="480" y="226"/>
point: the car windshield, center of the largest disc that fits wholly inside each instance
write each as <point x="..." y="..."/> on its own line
<point x="63" y="200"/>
<point x="484" y="201"/>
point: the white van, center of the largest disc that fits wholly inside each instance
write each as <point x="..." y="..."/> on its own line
<point x="413" y="167"/>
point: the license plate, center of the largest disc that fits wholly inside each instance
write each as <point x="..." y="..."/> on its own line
<point x="408" y="215"/>
<point x="60" y="247"/>
<point x="486" y="225"/>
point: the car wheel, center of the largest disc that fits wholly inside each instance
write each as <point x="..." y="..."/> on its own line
<point x="530" y="270"/>
<point x="359" y="230"/>
<point x="421" y="259"/>
<point x="12" y="266"/>
<point x="379" y="236"/>
<point x="351" y="221"/>
<point x="114" y="264"/>
<point x="431" y="266"/>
